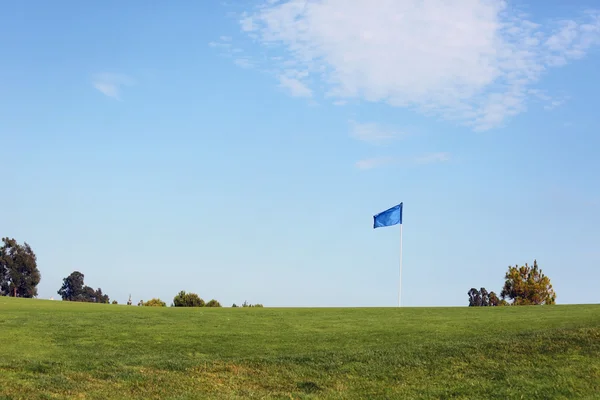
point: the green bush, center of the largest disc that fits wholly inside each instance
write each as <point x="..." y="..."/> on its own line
<point x="184" y="299"/>
<point x="246" y="304"/>
<point x="154" y="303"/>
<point x="213" y="303"/>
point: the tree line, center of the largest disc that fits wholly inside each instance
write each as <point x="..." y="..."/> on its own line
<point x="19" y="277"/>
<point x="523" y="286"/>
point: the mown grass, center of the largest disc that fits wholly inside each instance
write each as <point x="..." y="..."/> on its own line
<point x="57" y="350"/>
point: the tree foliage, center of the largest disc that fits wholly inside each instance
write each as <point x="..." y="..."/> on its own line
<point x="184" y="299"/>
<point x="73" y="289"/>
<point x="213" y="303"/>
<point x="481" y="298"/>
<point x="154" y="303"/>
<point x="246" y="304"/>
<point x="527" y="285"/>
<point x="19" y="275"/>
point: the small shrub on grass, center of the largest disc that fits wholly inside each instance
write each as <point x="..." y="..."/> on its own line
<point x="155" y="303"/>
<point x="213" y="303"/>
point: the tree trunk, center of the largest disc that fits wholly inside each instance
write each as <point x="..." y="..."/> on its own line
<point x="15" y="291"/>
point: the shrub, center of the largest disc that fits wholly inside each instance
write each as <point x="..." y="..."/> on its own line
<point x="184" y="299"/>
<point x="213" y="303"/>
<point x="246" y="304"/>
<point x="115" y="302"/>
<point x="154" y="303"/>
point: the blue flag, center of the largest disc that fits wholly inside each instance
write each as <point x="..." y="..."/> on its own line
<point x="390" y="217"/>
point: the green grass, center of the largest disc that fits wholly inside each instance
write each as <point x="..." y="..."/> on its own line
<point x="55" y="350"/>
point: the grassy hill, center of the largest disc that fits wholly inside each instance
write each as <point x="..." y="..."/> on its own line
<point x="52" y="349"/>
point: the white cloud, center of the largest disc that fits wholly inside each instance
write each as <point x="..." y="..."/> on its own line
<point x="370" y="163"/>
<point x="472" y="61"/>
<point x="432" y="158"/>
<point x="243" y="62"/>
<point x="110" y="84"/>
<point x="375" y="162"/>
<point x="372" y="132"/>
<point x="553" y="104"/>
<point x="295" y="87"/>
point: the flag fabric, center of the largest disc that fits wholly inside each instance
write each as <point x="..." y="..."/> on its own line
<point x="392" y="216"/>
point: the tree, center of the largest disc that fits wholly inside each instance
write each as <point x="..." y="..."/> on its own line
<point x="73" y="289"/>
<point x="213" y="303"/>
<point x="115" y="302"/>
<point x="246" y="304"/>
<point x="234" y="305"/>
<point x="494" y="300"/>
<point x="481" y="298"/>
<point x="19" y="275"/>
<point x="154" y="303"/>
<point x="474" y="298"/>
<point x="184" y="299"/>
<point x="527" y="285"/>
<point x="99" y="297"/>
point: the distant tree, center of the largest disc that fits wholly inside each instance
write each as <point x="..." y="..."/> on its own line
<point x="494" y="300"/>
<point x="19" y="275"/>
<point x="213" y="303"/>
<point x="73" y="289"/>
<point x="100" y="297"/>
<point x="527" y="285"/>
<point x="481" y="298"/>
<point x="129" y="302"/>
<point x="246" y="304"/>
<point x="184" y="299"/>
<point x="140" y="303"/>
<point x="234" y="305"/>
<point x="154" y="303"/>
<point x="474" y="298"/>
<point x="115" y="302"/>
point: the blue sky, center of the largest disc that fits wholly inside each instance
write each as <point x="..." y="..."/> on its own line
<point x="240" y="149"/>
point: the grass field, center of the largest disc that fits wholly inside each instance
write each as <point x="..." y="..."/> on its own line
<point x="52" y="349"/>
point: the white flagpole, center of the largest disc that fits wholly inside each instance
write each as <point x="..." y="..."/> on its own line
<point x="400" y="283"/>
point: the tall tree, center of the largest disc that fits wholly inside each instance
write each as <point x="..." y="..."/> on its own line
<point x="527" y="285"/>
<point x="19" y="275"/>
<point x="73" y="289"/>
<point x="474" y="298"/>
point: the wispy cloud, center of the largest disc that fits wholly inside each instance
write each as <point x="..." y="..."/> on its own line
<point x="294" y="86"/>
<point x="110" y="84"/>
<point x="554" y="103"/>
<point x="228" y="49"/>
<point x="372" y="132"/>
<point x="432" y="158"/>
<point x="370" y="163"/>
<point x="468" y="61"/>
<point x="376" y="162"/>
<point x="243" y="62"/>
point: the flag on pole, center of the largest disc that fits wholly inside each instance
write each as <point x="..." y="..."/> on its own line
<point x="392" y="216"/>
